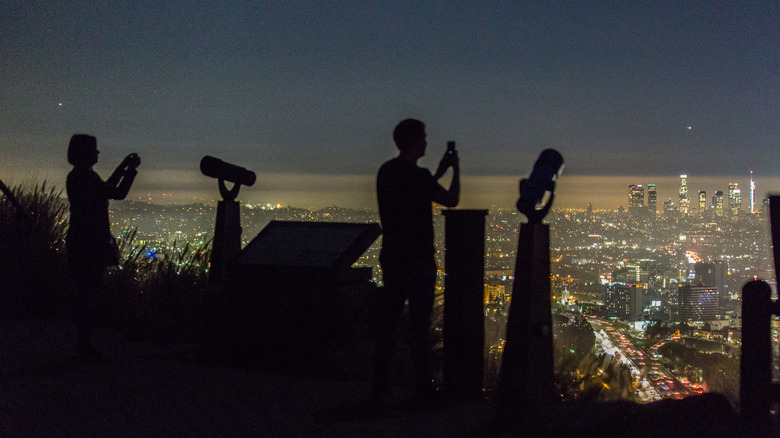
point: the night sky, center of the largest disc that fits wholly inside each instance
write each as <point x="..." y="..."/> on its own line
<point x="307" y="93"/>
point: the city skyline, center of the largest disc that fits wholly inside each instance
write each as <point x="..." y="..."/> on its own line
<point x="319" y="191"/>
<point x="309" y="90"/>
<point x="357" y="191"/>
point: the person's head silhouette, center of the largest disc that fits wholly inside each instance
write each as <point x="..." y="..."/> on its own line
<point x="409" y="136"/>
<point x="82" y="150"/>
<point x="408" y="132"/>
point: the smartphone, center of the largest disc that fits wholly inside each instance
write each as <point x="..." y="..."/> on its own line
<point x="135" y="161"/>
<point x="450" y="147"/>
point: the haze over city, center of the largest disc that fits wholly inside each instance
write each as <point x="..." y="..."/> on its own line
<point x="306" y="94"/>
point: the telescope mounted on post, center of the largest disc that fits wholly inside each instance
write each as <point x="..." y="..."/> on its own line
<point x="527" y="380"/>
<point x="227" y="228"/>
<point x="538" y="190"/>
<point x="222" y="171"/>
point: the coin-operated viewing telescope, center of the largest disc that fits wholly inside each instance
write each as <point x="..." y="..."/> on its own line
<point x="227" y="229"/>
<point x="538" y="190"/>
<point x="216" y="168"/>
<point x="527" y="378"/>
<point x="223" y="171"/>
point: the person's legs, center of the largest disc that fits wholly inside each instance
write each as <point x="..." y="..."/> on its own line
<point x="421" y="283"/>
<point x="88" y="282"/>
<point x="392" y="299"/>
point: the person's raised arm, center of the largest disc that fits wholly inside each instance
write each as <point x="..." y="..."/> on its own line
<point x="118" y="185"/>
<point x="448" y="197"/>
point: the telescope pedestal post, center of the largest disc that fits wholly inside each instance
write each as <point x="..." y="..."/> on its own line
<point x="227" y="239"/>
<point x="527" y="380"/>
<point x="527" y="377"/>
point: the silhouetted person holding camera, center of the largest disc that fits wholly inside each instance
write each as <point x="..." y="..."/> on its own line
<point x="90" y="246"/>
<point x="405" y="193"/>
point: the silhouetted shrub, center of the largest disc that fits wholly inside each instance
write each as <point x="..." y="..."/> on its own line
<point x="158" y="294"/>
<point x="152" y="296"/>
<point x="32" y="251"/>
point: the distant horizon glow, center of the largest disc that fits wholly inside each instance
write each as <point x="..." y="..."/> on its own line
<point x="357" y="191"/>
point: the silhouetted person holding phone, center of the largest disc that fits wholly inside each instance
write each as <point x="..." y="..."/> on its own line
<point x="405" y="193"/>
<point x="90" y="246"/>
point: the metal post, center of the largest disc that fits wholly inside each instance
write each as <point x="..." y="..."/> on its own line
<point x="464" y="283"/>
<point x="227" y="239"/>
<point x="227" y="229"/>
<point x="757" y="393"/>
<point x="527" y="377"/>
<point x="755" y="366"/>
<point x="774" y="221"/>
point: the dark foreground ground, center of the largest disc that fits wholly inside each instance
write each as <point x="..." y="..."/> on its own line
<point x="154" y="390"/>
<point x="151" y="390"/>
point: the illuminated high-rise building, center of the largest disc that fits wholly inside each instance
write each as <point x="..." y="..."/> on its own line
<point x="698" y="303"/>
<point x="735" y="199"/>
<point x="636" y="197"/>
<point x="752" y="194"/>
<point x="685" y="206"/>
<point x="718" y="201"/>
<point x="685" y="202"/>
<point x="623" y="301"/>
<point x="652" y="198"/>
<point x="702" y="201"/>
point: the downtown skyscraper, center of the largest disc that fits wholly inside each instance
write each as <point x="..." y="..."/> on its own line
<point x="735" y="199"/>
<point x="685" y="201"/>
<point x="636" y="196"/>
<point x="702" y="201"/>
<point x="718" y="201"/>
<point x="752" y="194"/>
<point x="652" y="199"/>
